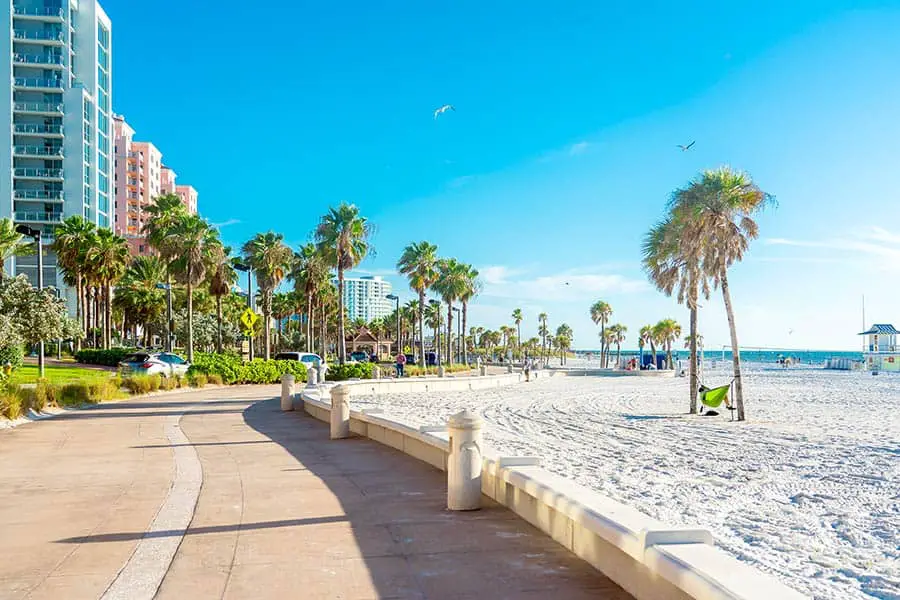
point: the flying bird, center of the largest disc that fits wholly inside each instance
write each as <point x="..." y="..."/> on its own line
<point x="688" y="147"/>
<point x="443" y="109"/>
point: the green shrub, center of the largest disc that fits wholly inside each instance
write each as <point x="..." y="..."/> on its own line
<point x="169" y="383"/>
<point x="231" y="369"/>
<point x="45" y="394"/>
<point x="110" y="358"/>
<point x="11" y="401"/>
<point x="75" y="394"/>
<point x="137" y="384"/>
<point x="180" y="381"/>
<point x="12" y="355"/>
<point x="155" y="382"/>
<point x="349" y="371"/>
<point x="215" y="379"/>
<point x="101" y="391"/>
<point x="198" y="380"/>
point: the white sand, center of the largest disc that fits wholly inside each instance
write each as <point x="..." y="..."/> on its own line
<point x="808" y="490"/>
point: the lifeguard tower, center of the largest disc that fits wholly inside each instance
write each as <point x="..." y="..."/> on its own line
<point x="881" y="352"/>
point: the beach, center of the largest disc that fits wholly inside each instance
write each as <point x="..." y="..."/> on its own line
<point x="807" y="490"/>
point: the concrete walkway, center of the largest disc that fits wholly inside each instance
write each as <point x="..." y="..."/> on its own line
<point x="108" y="503"/>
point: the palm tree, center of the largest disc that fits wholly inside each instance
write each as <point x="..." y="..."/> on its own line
<point x="645" y="336"/>
<point x="600" y="314"/>
<point x="10" y="243"/>
<point x="222" y="278"/>
<point x="450" y="285"/>
<point x="717" y="211"/>
<point x="343" y="238"/>
<point x="309" y="273"/>
<point x="617" y="336"/>
<point x="137" y="294"/>
<point x="197" y="246"/>
<point x="434" y="318"/>
<point x="667" y="333"/>
<point x="563" y="341"/>
<point x="672" y="266"/>
<point x="419" y="263"/>
<point x="72" y="239"/>
<point x="270" y="259"/>
<point x="471" y="287"/>
<point x="109" y="258"/>
<point x="543" y="331"/>
<point x="517" y="319"/>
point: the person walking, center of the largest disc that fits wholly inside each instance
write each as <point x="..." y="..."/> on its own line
<point x="399" y="362"/>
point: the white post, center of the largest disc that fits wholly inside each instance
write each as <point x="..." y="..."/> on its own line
<point x="312" y="377"/>
<point x="287" y="392"/>
<point x="482" y="370"/>
<point x="376" y="372"/>
<point x="509" y="368"/>
<point x="440" y="371"/>
<point x="464" y="462"/>
<point x="340" y="412"/>
<point x="321" y="373"/>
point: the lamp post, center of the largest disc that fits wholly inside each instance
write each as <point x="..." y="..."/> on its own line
<point x="246" y="268"/>
<point x="458" y="334"/>
<point x="437" y="337"/>
<point x="170" y="323"/>
<point x="35" y="234"/>
<point x="396" y="300"/>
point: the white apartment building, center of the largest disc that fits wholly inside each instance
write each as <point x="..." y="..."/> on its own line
<point x="56" y="65"/>
<point x="364" y="297"/>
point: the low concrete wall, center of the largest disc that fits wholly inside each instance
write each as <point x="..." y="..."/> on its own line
<point x="648" y="558"/>
<point x="372" y="387"/>
<point x="611" y="372"/>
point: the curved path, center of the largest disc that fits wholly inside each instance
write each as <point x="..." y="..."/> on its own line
<point x="217" y="494"/>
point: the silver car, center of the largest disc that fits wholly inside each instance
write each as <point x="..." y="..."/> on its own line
<point x="156" y="363"/>
<point x="307" y="358"/>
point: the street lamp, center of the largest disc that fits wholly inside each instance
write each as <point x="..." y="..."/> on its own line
<point x="458" y="334"/>
<point x="35" y="234"/>
<point x="396" y="300"/>
<point x="437" y="337"/>
<point x="170" y="327"/>
<point x="246" y="268"/>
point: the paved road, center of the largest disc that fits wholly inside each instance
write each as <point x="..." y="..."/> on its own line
<point x="217" y="494"/>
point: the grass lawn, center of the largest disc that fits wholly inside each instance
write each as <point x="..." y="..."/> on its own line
<point x="57" y="374"/>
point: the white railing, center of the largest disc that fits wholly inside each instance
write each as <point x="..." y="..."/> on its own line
<point x="32" y="59"/>
<point x="38" y="82"/>
<point x="38" y="150"/>
<point x="37" y="129"/>
<point x="44" y="36"/>
<point x="38" y="107"/>
<point x="39" y="217"/>
<point x="38" y="11"/>
<point x="38" y="194"/>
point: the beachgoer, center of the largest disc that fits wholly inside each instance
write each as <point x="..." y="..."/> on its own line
<point x="526" y="366"/>
<point x="399" y="362"/>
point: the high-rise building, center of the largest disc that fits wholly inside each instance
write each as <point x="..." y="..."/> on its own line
<point x="56" y="58"/>
<point x="140" y="177"/>
<point x="365" y="297"/>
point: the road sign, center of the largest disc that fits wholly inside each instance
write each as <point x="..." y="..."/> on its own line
<point x="248" y="320"/>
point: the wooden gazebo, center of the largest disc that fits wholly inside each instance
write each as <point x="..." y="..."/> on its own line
<point x="369" y="342"/>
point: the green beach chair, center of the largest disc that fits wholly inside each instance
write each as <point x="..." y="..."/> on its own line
<point x="714" y="397"/>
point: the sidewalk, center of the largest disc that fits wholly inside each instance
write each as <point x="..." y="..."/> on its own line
<point x="283" y="512"/>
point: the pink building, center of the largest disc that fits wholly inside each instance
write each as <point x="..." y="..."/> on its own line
<point x="140" y="178"/>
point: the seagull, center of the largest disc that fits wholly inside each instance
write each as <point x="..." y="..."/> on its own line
<point x="790" y="332"/>
<point x="688" y="147"/>
<point x="443" y="109"/>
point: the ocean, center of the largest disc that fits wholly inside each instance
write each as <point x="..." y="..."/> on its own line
<point x="806" y="357"/>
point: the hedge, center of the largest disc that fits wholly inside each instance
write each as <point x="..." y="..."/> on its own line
<point x="349" y="371"/>
<point x="231" y="369"/>
<point x="109" y="358"/>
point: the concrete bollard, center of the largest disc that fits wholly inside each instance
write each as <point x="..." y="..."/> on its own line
<point x="509" y="368"/>
<point x="482" y="370"/>
<point x="440" y="371"/>
<point x="321" y="368"/>
<point x="464" y="462"/>
<point x="287" y="392"/>
<point x="340" y="412"/>
<point x="376" y="372"/>
<point x="312" y="377"/>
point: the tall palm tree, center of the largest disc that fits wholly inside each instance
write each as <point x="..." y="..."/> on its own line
<point x="450" y="285"/>
<point x="543" y="331"/>
<point x="137" y="295"/>
<point x="517" y="319"/>
<point x="419" y="263"/>
<point x="72" y="238"/>
<point x="667" y="332"/>
<point x="222" y="279"/>
<point x="109" y="257"/>
<point x="563" y="341"/>
<point x="645" y="336"/>
<point x="343" y="238"/>
<point x="617" y="336"/>
<point x="600" y="314"/>
<point x="434" y="318"/>
<point x="471" y="287"/>
<point x="197" y="246"/>
<point x="11" y="243"/>
<point x="674" y="267"/>
<point x="717" y="211"/>
<point x="270" y="259"/>
<point x="309" y="272"/>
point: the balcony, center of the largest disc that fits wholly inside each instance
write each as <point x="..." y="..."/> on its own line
<point x="38" y="108"/>
<point x="29" y="60"/>
<point x="52" y="38"/>
<point x="43" y="195"/>
<point x="39" y="217"/>
<point x="38" y="151"/>
<point x="41" y="174"/>
<point x="38" y="129"/>
<point x="40" y="84"/>
<point x="39" y="13"/>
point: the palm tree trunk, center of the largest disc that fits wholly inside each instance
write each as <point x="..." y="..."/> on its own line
<point x="669" y="364"/>
<point x="79" y="304"/>
<point x="694" y="366"/>
<point x="309" y="345"/>
<point x="267" y="331"/>
<point x="603" y="343"/>
<point x="653" y="352"/>
<point x="219" y="319"/>
<point x="449" y="333"/>
<point x="465" y="354"/>
<point x="735" y="350"/>
<point x="519" y="338"/>
<point x="342" y="342"/>
<point x="190" y="315"/>
<point x="618" y="354"/>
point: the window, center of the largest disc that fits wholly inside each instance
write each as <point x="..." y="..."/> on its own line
<point x="103" y="36"/>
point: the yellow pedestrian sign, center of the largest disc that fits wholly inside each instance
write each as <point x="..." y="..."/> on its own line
<point x="248" y="320"/>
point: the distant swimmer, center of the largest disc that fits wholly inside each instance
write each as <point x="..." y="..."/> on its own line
<point x="443" y="109"/>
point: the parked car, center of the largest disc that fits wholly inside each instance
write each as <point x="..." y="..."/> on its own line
<point x="359" y="356"/>
<point x="154" y="363"/>
<point x="307" y="358"/>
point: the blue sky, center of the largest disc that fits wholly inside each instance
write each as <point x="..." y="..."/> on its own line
<point x="561" y="152"/>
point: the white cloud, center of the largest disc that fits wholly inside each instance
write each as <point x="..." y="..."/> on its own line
<point x="570" y="285"/>
<point x="225" y="223"/>
<point x="459" y="182"/>
<point x="578" y="148"/>
<point x="879" y="247"/>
